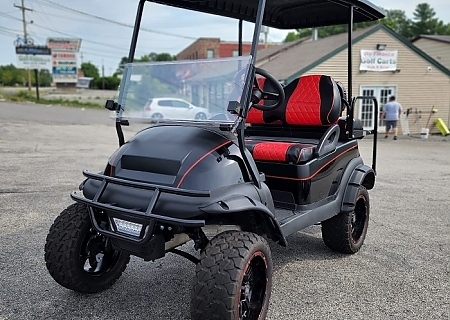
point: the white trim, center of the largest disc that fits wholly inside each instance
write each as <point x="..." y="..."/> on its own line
<point x="377" y="88"/>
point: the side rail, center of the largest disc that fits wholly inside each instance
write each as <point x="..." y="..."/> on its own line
<point x="374" y="131"/>
<point x="146" y="218"/>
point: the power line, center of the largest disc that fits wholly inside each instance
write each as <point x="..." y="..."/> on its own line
<point x="45" y="15"/>
<point x="117" y="22"/>
<point x="9" y="16"/>
<point x="72" y="36"/>
<point x="10" y="30"/>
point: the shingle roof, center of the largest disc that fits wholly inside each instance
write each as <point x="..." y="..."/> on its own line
<point x="433" y="37"/>
<point x="288" y="59"/>
<point x="295" y="60"/>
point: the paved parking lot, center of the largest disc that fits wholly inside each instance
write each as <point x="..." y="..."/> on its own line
<point x="401" y="272"/>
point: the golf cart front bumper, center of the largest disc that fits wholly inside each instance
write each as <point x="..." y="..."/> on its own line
<point x="124" y="210"/>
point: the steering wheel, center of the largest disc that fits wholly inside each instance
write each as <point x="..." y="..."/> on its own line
<point x="258" y="94"/>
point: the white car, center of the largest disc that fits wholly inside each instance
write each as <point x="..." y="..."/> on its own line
<point x="173" y="108"/>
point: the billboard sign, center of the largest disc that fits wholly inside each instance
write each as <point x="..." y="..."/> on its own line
<point x="64" y="67"/>
<point x="29" y="61"/>
<point x="378" y="60"/>
<point x="64" y="44"/>
<point x="40" y="50"/>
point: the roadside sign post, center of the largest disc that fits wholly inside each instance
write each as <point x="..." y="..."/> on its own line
<point x="34" y="57"/>
<point x="36" y="76"/>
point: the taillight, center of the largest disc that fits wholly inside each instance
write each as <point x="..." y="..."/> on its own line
<point x="148" y="108"/>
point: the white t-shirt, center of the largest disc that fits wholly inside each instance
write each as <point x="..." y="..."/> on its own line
<point x="392" y="109"/>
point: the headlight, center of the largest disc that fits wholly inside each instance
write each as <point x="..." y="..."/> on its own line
<point x="130" y="228"/>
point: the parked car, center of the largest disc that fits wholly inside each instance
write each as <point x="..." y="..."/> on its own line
<point x="173" y="108"/>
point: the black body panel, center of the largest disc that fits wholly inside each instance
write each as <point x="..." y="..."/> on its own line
<point x="179" y="156"/>
<point x="307" y="183"/>
<point x="205" y="182"/>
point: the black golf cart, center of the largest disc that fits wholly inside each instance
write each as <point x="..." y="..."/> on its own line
<point x="224" y="156"/>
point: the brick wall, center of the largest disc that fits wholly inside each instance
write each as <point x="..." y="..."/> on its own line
<point x="198" y="49"/>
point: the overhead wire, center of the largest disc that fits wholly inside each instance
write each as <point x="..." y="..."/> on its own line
<point x="164" y="33"/>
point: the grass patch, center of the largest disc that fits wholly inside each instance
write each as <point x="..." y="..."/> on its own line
<point x="25" y="96"/>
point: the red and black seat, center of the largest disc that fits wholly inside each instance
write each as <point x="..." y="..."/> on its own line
<point x="312" y="101"/>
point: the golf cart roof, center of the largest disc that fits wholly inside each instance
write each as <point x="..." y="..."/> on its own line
<point x="286" y="14"/>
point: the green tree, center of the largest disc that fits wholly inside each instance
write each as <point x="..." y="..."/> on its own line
<point x="45" y="78"/>
<point x="152" y="56"/>
<point x="121" y="66"/>
<point x="326" y="31"/>
<point x="399" y="22"/>
<point x="90" y="70"/>
<point x="425" y="22"/>
<point x="11" y="76"/>
<point x="111" y="83"/>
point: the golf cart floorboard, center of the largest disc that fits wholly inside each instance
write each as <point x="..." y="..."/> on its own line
<point x="285" y="215"/>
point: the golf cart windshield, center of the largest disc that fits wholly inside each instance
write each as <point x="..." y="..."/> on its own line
<point x="192" y="90"/>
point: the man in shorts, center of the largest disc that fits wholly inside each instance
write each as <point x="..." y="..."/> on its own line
<point x="391" y="113"/>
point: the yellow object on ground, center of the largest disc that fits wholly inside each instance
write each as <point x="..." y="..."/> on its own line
<point x="440" y="124"/>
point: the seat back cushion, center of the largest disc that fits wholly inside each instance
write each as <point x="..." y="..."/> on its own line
<point x="312" y="100"/>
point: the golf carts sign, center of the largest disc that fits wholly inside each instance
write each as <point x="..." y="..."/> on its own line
<point x="378" y="60"/>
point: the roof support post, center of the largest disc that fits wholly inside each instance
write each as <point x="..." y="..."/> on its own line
<point x="137" y="25"/>
<point x="250" y="165"/>
<point x="126" y="74"/>
<point x="351" y="112"/>
<point x="240" y="38"/>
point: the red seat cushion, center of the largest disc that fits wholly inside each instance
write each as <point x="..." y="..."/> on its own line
<point x="312" y="100"/>
<point x="279" y="151"/>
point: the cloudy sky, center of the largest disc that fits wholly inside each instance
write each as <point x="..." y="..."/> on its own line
<point x="167" y="29"/>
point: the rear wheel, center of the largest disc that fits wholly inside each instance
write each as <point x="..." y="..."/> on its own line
<point x="200" y="116"/>
<point x="157" y="116"/>
<point x="78" y="257"/>
<point x="233" y="279"/>
<point x="346" y="231"/>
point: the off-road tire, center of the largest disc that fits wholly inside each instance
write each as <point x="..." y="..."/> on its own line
<point x="347" y="231"/>
<point x="65" y="253"/>
<point x="235" y="265"/>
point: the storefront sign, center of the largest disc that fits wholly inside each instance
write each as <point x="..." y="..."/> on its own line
<point x="378" y="60"/>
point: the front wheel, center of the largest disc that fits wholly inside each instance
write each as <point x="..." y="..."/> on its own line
<point x="347" y="231"/>
<point x="78" y="257"/>
<point x="233" y="279"/>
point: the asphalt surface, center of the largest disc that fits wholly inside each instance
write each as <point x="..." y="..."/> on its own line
<point x="401" y="272"/>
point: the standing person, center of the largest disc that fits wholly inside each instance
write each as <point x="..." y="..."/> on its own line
<point x="391" y="114"/>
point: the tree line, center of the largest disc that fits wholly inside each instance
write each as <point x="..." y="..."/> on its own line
<point x="424" y="21"/>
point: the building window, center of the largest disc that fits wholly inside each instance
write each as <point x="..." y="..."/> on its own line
<point x="210" y="53"/>
<point x="196" y="55"/>
<point x="235" y="53"/>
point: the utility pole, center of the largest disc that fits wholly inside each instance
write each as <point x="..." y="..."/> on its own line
<point x="103" y="76"/>
<point x="25" y="35"/>
<point x="265" y="30"/>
